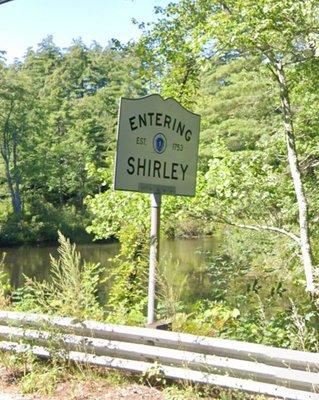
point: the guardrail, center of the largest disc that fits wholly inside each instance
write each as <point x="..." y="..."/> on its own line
<point x="254" y="368"/>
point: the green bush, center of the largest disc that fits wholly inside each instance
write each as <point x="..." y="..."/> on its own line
<point x="127" y="299"/>
<point x="41" y="221"/>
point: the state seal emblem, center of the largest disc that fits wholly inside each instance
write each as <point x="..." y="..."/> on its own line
<point x="159" y="143"/>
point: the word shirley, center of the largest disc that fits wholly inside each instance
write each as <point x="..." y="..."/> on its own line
<point x="156" y="169"/>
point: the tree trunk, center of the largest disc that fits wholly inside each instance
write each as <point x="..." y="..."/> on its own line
<point x="16" y="174"/>
<point x="13" y="189"/>
<point x="9" y="154"/>
<point x="305" y="245"/>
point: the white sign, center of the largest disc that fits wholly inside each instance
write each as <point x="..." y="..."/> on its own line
<point x="157" y="147"/>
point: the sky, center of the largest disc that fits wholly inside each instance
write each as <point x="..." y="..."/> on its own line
<point x="24" y="23"/>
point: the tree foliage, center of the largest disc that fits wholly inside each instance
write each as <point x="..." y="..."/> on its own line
<point x="58" y="120"/>
<point x="278" y="37"/>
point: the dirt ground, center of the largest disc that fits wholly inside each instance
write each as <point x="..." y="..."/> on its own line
<point x="108" y="385"/>
<point x="73" y="388"/>
<point x="90" y="391"/>
<point x="76" y="390"/>
<point x="87" y="391"/>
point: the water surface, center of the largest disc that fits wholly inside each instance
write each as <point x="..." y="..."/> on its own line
<point x="183" y="262"/>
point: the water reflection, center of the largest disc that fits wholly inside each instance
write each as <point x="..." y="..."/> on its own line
<point x="183" y="263"/>
<point x="34" y="261"/>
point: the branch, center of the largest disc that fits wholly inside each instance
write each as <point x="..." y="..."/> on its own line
<point x="261" y="228"/>
<point x="187" y="75"/>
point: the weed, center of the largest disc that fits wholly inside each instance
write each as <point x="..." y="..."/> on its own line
<point x="154" y="376"/>
<point x="42" y="379"/>
<point x="5" y="287"/>
<point x="176" y="393"/>
<point x="72" y="290"/>
<point x="169" y="296"/>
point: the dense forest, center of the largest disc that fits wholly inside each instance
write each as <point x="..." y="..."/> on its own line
<point x="250" y="69"/>
<point x="57" y="132"/>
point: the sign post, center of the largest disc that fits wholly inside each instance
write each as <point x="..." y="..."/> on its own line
<point x="154" y="255"/>
<point x="157" y="151"/>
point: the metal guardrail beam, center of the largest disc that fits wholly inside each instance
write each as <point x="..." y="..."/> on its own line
<point x="205" y="345"/>
<point x="232" y="364"/>
<point x="302" y="380"/>
<point x="168" y="371"/>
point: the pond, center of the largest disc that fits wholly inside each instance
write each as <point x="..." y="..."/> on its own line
<point x="183" y="263"/>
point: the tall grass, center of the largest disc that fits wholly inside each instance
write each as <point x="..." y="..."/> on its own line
<point x="72" y="289"/>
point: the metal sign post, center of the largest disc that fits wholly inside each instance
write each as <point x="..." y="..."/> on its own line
<point x="154" y="255"/>
<point x="157" y="150"/>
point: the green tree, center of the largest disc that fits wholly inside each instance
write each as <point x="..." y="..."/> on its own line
<point x="283" y="35"/>
<point x="59" y="112"/>
<point x="15" y="103"/>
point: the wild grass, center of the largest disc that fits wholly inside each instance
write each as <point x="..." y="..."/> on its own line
<point x="72" y="289"/>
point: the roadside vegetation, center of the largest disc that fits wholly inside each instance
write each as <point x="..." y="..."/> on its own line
<point x="251" y="70"/>
<point x="54" y="380"/>
<point x="240" y="307"/>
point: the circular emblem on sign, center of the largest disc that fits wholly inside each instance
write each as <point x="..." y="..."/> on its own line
<point x="159" y="143"/>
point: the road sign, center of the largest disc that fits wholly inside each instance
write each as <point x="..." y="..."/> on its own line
<point x="157" y="147"/>
<point x="157" y="151"/>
